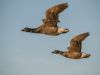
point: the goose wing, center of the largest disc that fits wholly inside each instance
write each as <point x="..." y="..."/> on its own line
<point x="76" y="42"/>
<point x="51" y="15"/>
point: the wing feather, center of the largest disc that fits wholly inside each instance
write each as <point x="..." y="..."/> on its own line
<point x="76" y="42"/>
<point x="52" y="14"/>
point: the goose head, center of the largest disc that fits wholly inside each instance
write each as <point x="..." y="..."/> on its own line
<point x="57" y="52"/>
<point x="26" y="29"/>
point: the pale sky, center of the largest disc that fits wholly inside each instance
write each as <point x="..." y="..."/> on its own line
<point x="24" y="53"/>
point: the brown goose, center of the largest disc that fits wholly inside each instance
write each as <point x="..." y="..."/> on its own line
<point x="49" y="26"/>
<point x="74" y="51"/>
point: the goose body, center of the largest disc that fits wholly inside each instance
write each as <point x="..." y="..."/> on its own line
<point x="74" y="51"/>
<point x="49" y="26"/>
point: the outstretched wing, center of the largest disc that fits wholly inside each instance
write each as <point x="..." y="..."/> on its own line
<point x="58" y="8"/>
<point x="76" y="42"/>
<point x="52" y="13"/>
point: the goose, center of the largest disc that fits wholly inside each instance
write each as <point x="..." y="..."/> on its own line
<point x="74" y="51"/>
<point x="49" y="26"/>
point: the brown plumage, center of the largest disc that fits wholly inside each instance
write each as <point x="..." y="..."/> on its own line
<point x="49" y="26"/>
<point x="74" y="51"/>
<point x="52" y="13"/>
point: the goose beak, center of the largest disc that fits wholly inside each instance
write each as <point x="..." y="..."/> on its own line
<point x="52" y="52"/>
<point x="22" y="30"/>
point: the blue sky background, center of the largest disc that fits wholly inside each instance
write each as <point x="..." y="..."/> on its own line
<point x="30" y="54"/>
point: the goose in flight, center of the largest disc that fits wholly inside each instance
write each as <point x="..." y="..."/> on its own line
<point x="49" y="26"/>
<point x="74" y="51"/>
